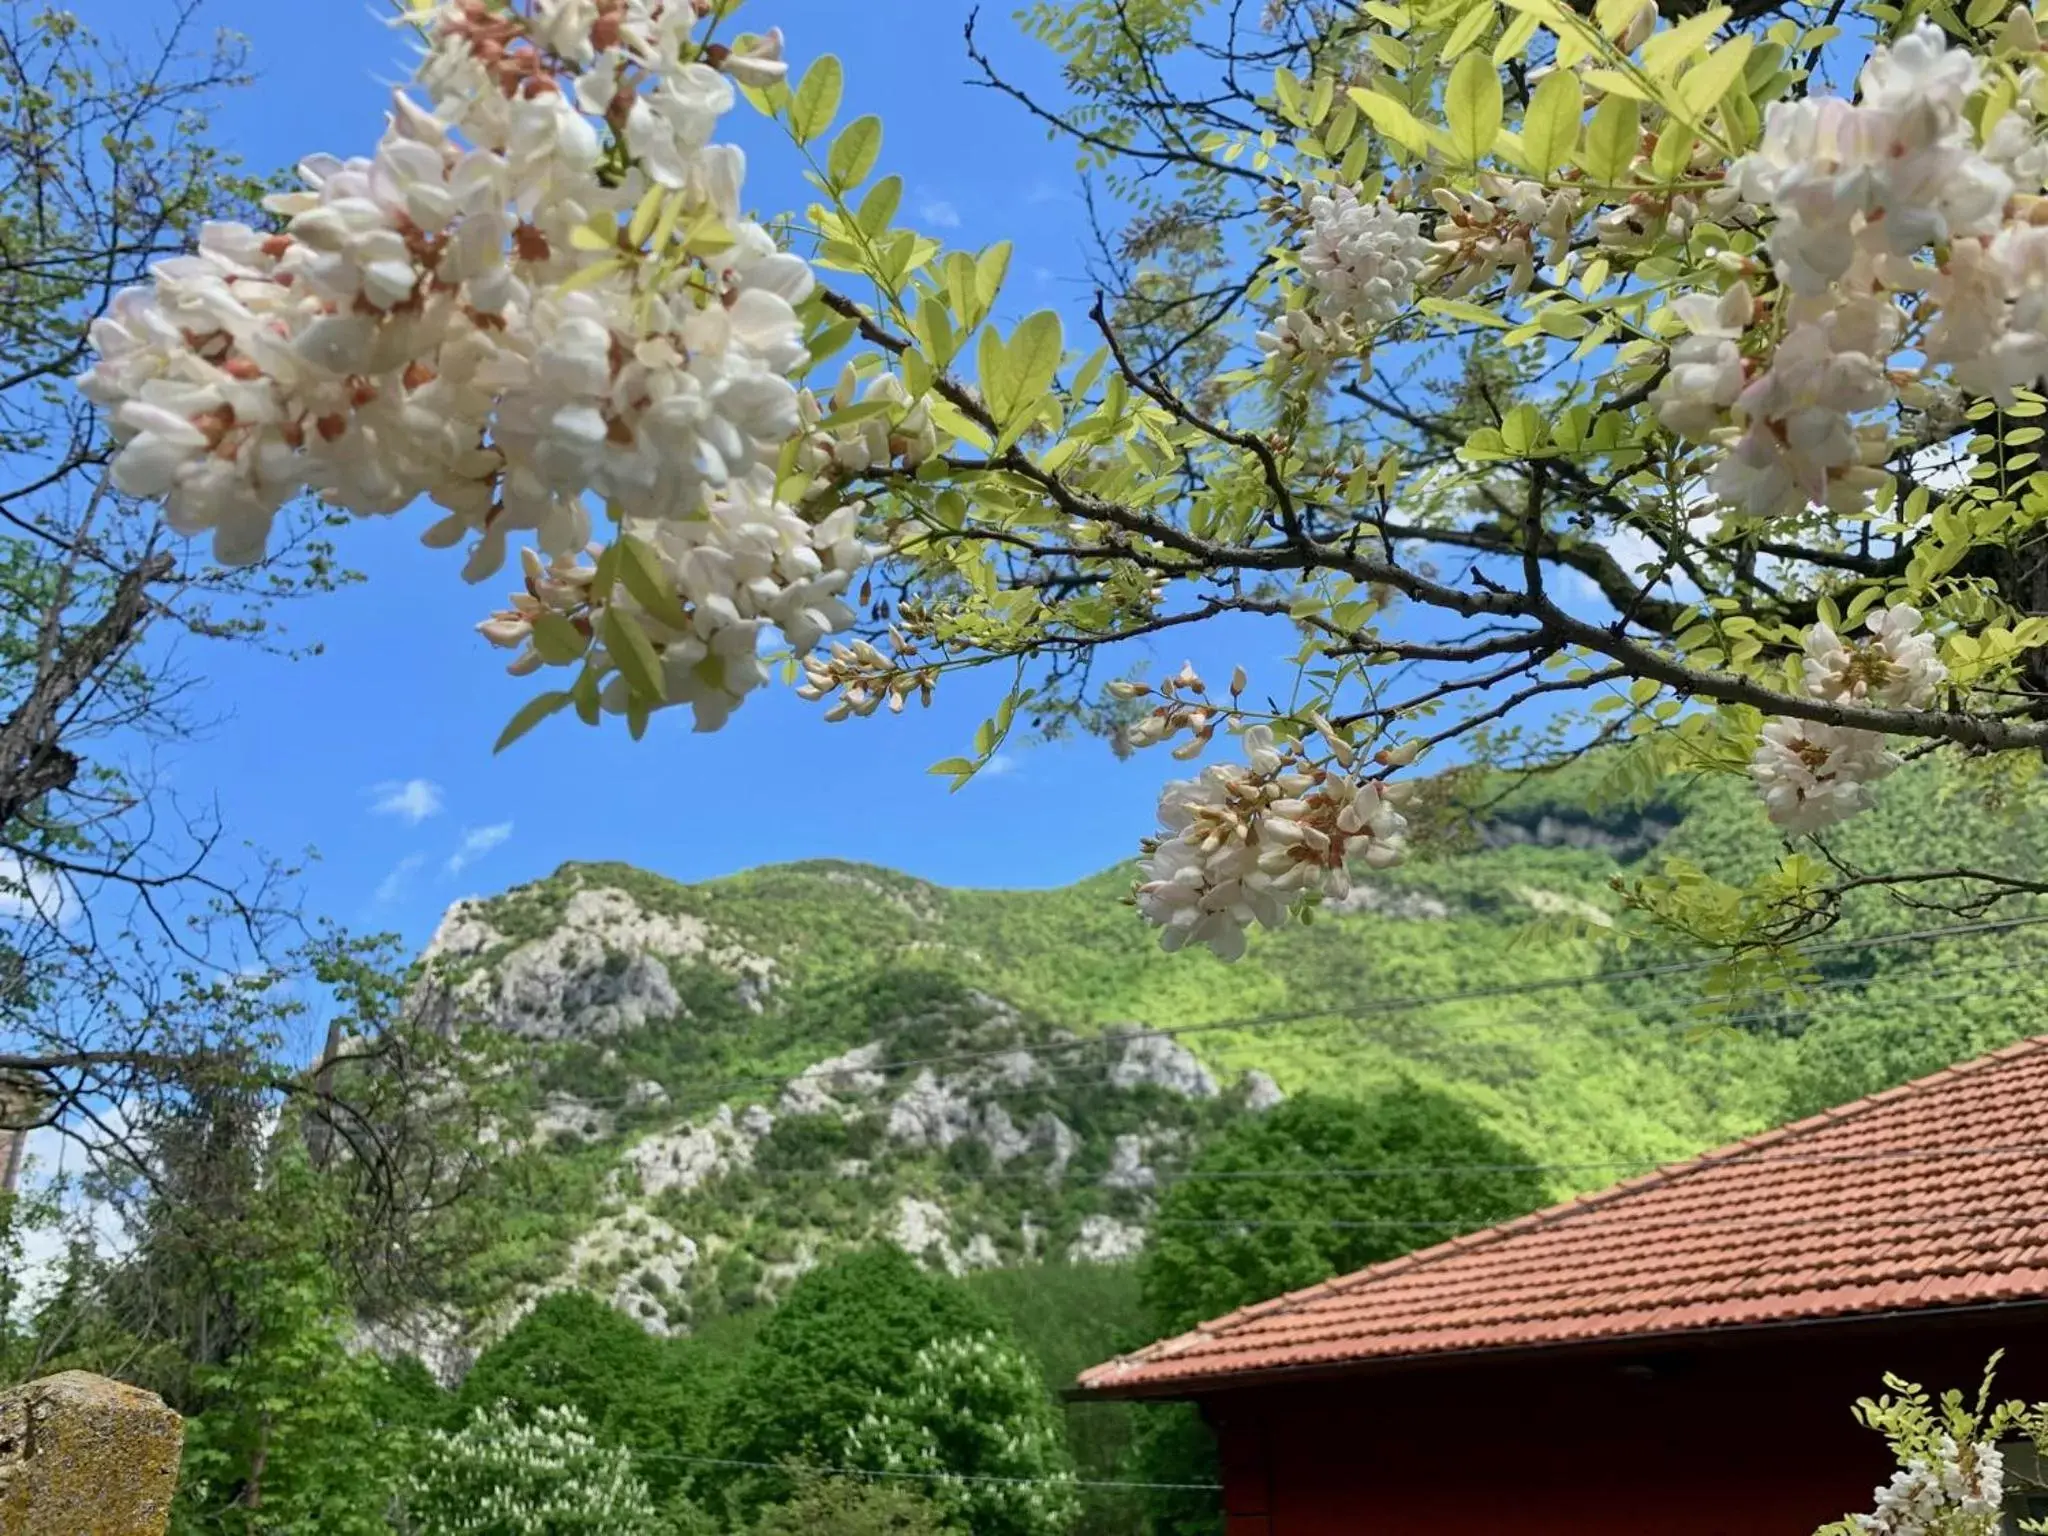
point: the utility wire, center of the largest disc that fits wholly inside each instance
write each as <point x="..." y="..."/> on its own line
<point x="1359" y="1011"/>
<point x="1621" y="1019"/>
<point x="1665" y="1224"/>
<point x="1446" y="1170"/>
<point x="797" y="1467"/>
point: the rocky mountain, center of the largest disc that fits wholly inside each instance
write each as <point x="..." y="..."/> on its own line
<point x="719" y="1083"/>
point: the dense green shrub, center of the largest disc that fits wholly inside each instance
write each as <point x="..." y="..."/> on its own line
<point x="973" y="1406"/>
<point x="543" y="1474"/>
<point x="1464" y="1176"/>
<point x="847" y="1332"/>
<point x="847" y="1506"/>
<point x="632" y="1389"/>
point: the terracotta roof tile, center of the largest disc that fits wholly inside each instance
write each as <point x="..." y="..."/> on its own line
<point x="1932" y="1194"/>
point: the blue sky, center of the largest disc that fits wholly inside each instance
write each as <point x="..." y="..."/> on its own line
<point x="376" y="754"/>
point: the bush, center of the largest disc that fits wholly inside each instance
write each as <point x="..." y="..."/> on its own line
<point x="573" y="1351"/>
<point x="544" y="1476"/>
<point x="974" y="1406"/>
<point x="1199" y="1266"/>
<point x="848" y="1332"/>
<point x="848" y="1506"/>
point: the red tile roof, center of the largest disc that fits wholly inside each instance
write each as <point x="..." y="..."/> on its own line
<point x="1934" y="1194"/>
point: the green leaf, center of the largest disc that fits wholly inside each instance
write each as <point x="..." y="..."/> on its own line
<point x="1674" y="149"/>
<point x="1709" y="80"/>
<point x="1463" y="309"/>
<point x="1665" y="52"/>
<point x="585" y="695"/>
<point x="1470" y="30"/>
<point x="1550" y="128"/>
<point x="990" y="365"/>
<point x="817" y="99"/>
<point x="952" y="766"/>
<point x="1522" y="429"/>
<point x="1515" y="38"/>
<point x="1287" y="89"/>
<point x="1612" y="139"/>
<point x="854" y="152"/>
<point x="531" y="713"/>
<point x="990" y="268"/>
<point x="640" y="567"/>
<point x="879" y="206"/>
<point x="831" y="339"/>
<point x="1391" y="119"/>
<point x="1035" y="351"/>
<point x="1472" y="101"/>
<point x="632" y="653"/>
<point x="934" y="329"/>
<point x="557" y="640"/>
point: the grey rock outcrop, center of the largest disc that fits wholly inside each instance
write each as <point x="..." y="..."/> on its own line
<point x="1106" y="1240"/>
<point x="1159" y="1061"/>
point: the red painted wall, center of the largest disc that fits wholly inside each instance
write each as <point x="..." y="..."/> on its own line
<point x="1747" y="1436"/>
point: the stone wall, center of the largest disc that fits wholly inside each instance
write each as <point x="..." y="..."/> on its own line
<point x="84" y="1456"/>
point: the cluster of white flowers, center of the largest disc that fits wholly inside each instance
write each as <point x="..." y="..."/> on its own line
<point x="1248" y="843"/>
<point x="896" y="430"/>
<point x="1497" y="229"/>
<point x="1362" y="261"/>
<point x="865" y="679"/>
<point x="1813" y="775"/>
<point x="1884" y="212"/>
<point x="1896" y="669"/>
<point x="1959" y="1493"/>
<point x="526" y="1475"/>
<point x="538" y="293"/>
<point x="971" y="1421"/>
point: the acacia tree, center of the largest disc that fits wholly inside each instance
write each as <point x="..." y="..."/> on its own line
<point x="1560" y="377"/>
<point x="139" y="949"/>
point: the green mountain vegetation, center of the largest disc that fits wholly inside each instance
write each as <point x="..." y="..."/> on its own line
<point x="732" y="1080"/>
<point x="812" y="1188"/>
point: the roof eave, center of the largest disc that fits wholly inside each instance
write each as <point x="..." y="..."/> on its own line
<point x="1184" y="1388"/>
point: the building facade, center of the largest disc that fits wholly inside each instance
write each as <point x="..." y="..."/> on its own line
<point x="1675" y="1356"/>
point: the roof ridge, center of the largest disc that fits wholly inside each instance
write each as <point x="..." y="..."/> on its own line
<point x="1551" y="1215"/>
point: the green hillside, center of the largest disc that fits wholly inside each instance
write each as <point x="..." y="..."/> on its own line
<point x="664" y="1159"/>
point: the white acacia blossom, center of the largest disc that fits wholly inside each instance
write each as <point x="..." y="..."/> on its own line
<point x="1859" y="194"/>
<point x="1896" y="669"/>
<point x="1959" y="1493"/>
<point x="538" y="295"/>
<point x="1813" y="775"/>
<point x="1362" y="259"/>
<point x="1248" y="843"/>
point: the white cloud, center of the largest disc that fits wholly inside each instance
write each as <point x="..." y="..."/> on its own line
<point x="411" y="800"/>
<point x="51" y="1166"/>
<point x="1043" y="191"/>
<point x="393" y="886"/>
<point x="999" y="766"/>
<point x="476" y="842"/>
<point x="27" y="891"/>
<point x="939" y="213"/>
<point x="1945" y="466"/>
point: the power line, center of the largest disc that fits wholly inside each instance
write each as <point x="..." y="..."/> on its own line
<point x="1088" y="1074"/>
<point x="711" y="1092"/>
<point x="799" y="1468"/>
<point x="1556" y="1219"/>
<point x="1432" y="1170"/>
